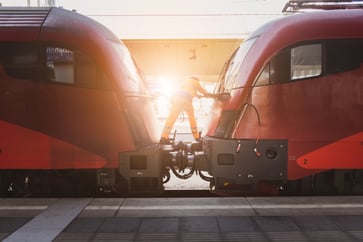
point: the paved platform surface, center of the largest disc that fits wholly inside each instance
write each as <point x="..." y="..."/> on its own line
<point x="183" y="219"/>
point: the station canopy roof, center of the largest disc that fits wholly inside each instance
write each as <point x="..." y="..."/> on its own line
<point x="179" y="58"/>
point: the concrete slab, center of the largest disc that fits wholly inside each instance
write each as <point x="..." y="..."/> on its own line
<point x="3" y="236"/>
<point x="184" y="207"/>
<point x="64" y="236"/>
<point x="315" y="223"/>
<point x="102" y="207"/>
<point x="358" y="235"/>
<point x="244" y="236"/>
<point x="29" y="207"/>
<point x="331" y="235"/>
<point x="9" y="225"/>
<point x="200" y="219"/>
<point x="348" y="222"/>
<point x="212" y="236"/>
<point x="295" y="236"/>
<point x="120" y="225"/>
<point x="48" y="224"/>
<point x="236" y="224"/>
<point x="18" y="202"/>
<point x="159" y="225"/>
<point x="275" y="224"/>
<point x="198" y="224"/>
<point x="116" y="237"/>
<point x="303" y="206"/>
<point x="84" y="225"/>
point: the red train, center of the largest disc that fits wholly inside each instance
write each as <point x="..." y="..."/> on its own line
<point x="71" y="101"/>
<point x="75" y="114"/>
<point x="294" y="121"/>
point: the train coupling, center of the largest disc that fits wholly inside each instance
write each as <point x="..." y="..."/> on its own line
<point x="183" y="159"/>
<point x="147" y="169"/>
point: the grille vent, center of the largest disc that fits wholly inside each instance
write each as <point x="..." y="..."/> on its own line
<point x="20" y="17"/>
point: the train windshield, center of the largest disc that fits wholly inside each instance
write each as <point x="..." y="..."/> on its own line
<point x="228" y="78"/>
<point x="134" y="82"/>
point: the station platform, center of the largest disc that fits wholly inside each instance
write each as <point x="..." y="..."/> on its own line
<point x="182" y="219"/>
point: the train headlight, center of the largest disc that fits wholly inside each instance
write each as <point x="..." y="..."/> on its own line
<point x="271" y="153"/>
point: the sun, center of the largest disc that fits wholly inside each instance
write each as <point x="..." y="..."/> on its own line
<point x="164" y="90"/>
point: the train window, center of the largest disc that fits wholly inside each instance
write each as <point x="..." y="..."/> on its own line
<point x="264" y="78"/>
<point x="88" y="73"/>
<point x="134" y="82"/>
<point x="230" y="76"/>
<point x="277" y="70"/>
<point x="74" y="67"/>
<point x="306" y="61"/>
<point x="85" y="70"/>
<point x="21" y="60"/>
<point x="59" y="65"/>
<point x="280" y="67"/>
<point x="343" y="55"/>
<point x="232" y="70"/>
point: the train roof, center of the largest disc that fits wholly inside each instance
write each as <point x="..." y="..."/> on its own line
<point x="314" y="25"/>
<point x="31" y="21"/>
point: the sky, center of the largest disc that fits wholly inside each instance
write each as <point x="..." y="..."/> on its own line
<point x="173" y="19"/>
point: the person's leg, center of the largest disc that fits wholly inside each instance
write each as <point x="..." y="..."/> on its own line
<point x="173" y="115"/>
<point x="193" y="123"/>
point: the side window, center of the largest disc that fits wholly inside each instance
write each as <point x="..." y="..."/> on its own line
<point x="277" y="70"/>
<point x="85" y="70"/>
<point x="60" y="65"/>
<point x="21" y="60"/>
<point x="74" y="67"/>
<point x="343" y="55"/>
<point x="280" y="67"/>
<point x="292" y="64"/>
<point x="264" y="78"/>
<point x="306" y="61"/>
<point x="88" y="73"/>
<point x="55" y="64"/>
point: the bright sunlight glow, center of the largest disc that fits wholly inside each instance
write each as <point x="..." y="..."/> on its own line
<point x="163" y="91"/>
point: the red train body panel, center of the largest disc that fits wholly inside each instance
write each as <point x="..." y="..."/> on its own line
<point x="297" y="79"/>
<point x="71" y="96"/>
